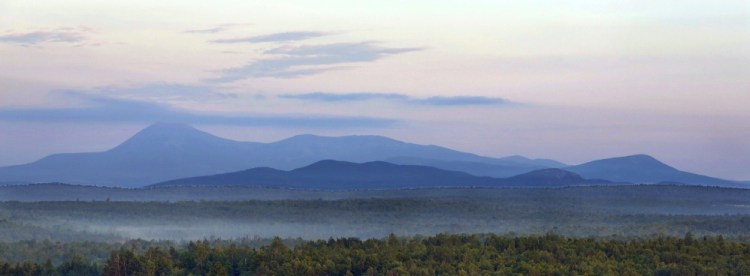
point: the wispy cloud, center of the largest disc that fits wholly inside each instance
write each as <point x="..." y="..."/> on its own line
<point x="206" y="31"/>
<point x="113" y="110"/>
<point x="435" y="101"/>
<point x="461" y="100"/>
<point x="215" y="29"/>
<point x="276" y="37"/>
<point x="346" y="97"/>
<point x="296" y="61"/>
<point x="164" y="92"/>
<point x="65" y="35"/>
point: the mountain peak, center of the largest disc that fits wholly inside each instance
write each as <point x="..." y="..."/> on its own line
<point x="636" y="160"/>
<point x="161" y="136"/>
<point x="640" y="156"/>
<point x="167" y="128"/>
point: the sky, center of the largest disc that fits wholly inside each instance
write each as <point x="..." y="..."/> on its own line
<point x="572" y="80"/>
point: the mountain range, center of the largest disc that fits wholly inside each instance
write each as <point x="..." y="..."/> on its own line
<point x="337" y="175"/>
<point x="167" y="151"/>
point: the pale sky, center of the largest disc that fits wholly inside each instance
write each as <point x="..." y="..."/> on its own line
<point x="568" y="80"/>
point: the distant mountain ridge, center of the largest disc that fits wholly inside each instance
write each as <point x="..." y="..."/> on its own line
<point x="336" y="175"/>
<point x="165" y="151"/>
<point x="503" y="167"/>
<point x="644" y="169"/>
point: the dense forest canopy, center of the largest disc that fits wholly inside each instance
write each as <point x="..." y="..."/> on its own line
<point x="633" y="230"/>
<point x="442" y="254"/>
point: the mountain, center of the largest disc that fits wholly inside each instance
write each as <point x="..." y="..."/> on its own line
<point x="501" y="167"/>
<point x="644" y="169"/>
<point x="158" y="152"/>
<point x="330" y="174"/>
<point x="301" y="150"/>
<point x="336" y="175"/>
<point x="165" y="151"/>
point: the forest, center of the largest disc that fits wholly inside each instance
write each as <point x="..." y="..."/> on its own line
<point x="632" y="230"/>
<point x="442" y="254"/>
<point x="368" y="218"/>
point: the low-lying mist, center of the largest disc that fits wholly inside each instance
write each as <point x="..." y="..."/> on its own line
<point x="583" y="212"/>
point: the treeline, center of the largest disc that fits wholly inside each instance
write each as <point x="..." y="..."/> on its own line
<point x="442" y="254"/>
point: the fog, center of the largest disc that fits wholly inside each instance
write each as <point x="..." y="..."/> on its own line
<point x="633" y="211"/>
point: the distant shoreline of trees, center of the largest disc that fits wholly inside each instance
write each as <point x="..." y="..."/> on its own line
<point x="442" y="254"/>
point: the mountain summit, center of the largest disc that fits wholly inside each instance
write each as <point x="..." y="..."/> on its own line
<point x="158" y="152"/>
<point x="171" y="136"/>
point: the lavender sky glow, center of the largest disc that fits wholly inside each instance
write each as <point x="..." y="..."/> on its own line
<point x="567" y="80"/>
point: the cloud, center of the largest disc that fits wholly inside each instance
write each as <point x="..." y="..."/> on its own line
<point x="276" y="37"/>
<point x="113" y="110"/>
<point x="297" y="61"/>
<point x="435" y="101"/>
<point x="347" y="97"/>
<point x="461" y="100"/>
<point x="165" y="92"/>
<point x="341" y="52"/>
<point x="67" y="35"/>
<point x="215" y="29"/>
<point x="206" y="31"/>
